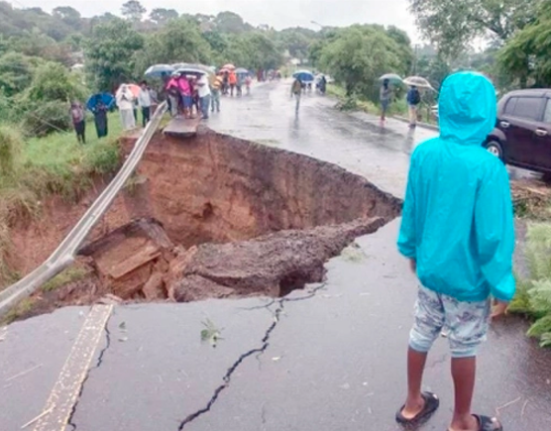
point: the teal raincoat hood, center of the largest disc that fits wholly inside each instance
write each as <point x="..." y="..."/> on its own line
<point x="467" y="108"/>
<point x="457" y="220"/>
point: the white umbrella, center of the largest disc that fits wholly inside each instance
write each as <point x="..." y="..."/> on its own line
<point x="417" y="81"/>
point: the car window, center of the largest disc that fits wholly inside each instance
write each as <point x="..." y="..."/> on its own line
<point x="547" y="114"/>
<point x="510" y="106"/>
<point x="528" y="108"/>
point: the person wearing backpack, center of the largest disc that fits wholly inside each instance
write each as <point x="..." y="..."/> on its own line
<point x="413" y="99"/>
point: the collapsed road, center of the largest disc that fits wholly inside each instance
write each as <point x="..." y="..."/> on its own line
<point x="329" y="356"/>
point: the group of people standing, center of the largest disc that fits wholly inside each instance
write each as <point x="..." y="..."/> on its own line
<point x="192" y="95"/>
<point x="189" y="95"/>
<point x="128" y="103"/>
<point x="234" y="82"/>
<point x="413" y="99"/>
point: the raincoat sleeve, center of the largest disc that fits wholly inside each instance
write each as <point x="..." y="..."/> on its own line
<point x="495" y="232"/>
<point x="407" y="239"/>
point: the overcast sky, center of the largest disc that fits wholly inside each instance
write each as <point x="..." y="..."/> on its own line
<point x="276" y="13"/>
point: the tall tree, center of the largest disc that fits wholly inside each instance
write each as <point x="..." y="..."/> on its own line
<point x="452" y="25"/>
<point x="68" y="15"/>
<point x="133" y="10"/>
<point x="526" y="56"/>
<point x="358" y="55"/>
<point x="229" y="22"/>
<point x="110" y="53"/>
<point x="179" y="41"/>
<point x="161" y="16"/>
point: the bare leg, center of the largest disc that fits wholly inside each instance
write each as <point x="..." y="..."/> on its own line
<point x="463" y="373"/>
<point x="416" y="366"/>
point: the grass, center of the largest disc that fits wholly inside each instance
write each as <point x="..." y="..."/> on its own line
<point x="22" y="308"/>
<point x="70" y="275"/>
<point x="32" y="169"/>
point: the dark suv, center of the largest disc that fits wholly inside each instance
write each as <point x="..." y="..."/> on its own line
<point x="522" y="136"/>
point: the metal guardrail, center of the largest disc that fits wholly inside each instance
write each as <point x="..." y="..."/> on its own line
<point x="65" y="253"/>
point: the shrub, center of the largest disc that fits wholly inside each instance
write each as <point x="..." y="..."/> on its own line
<point x="533" y="296"/>
<point x="40" y="119"/>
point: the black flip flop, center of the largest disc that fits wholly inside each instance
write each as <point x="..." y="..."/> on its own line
<point x="486" y="423"/>
<point x="431" y="405"/>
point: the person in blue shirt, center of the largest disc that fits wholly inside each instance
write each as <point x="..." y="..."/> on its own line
<point x="457" y="231"/>
<point x="413" y="99"/>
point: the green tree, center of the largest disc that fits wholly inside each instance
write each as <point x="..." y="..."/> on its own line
<point x="261" y="52"/>
<point x="526" y="56"/>
<point x="229" y="22"/>
<point x="452" y="25"/>
<point x="110" y="53"/>
<point x="358" y="56"/>
<point x="69" y="16"/>
<point x="179" y="41"/>
<point x="15" y="73"/>
<point x="133" y="10"/>
<point x="161" y="16"/>
<point x="52" y="81"/>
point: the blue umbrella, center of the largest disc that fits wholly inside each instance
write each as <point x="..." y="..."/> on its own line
<point x="159" y="70"/>
<point x="106" y="98"/>
<point x="304" y="75"/>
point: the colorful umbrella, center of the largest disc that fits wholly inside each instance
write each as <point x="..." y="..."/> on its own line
<point x="228" y="66"/>
<point x="106" y="98"/>
<point x="392" y="78"/>
<point x="135" y="89"/>
<point x="159" y="70"/>
<point x="304" y="75"/>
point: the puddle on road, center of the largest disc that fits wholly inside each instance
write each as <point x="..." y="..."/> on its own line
<point x="216" y="216"/>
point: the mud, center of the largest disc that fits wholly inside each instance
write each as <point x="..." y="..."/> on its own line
<point x="214" y="216"/>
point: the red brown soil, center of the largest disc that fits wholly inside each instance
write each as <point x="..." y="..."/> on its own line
<point x="215" y="189"/>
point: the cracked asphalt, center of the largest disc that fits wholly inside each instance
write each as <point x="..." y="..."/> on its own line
<point x="330" y="357"/>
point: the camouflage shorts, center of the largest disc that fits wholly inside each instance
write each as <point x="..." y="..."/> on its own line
<point x="466" y="323"/>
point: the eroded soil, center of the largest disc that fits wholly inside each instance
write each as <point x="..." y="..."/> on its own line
<point x="212" y="216"/>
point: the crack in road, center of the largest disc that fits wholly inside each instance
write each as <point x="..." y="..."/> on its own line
<point x="256" y="351"/>
<point x="98" y="364"/>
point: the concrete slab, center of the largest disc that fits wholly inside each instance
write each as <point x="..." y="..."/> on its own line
<point x="180" y="127"/>
<point x="32" y="354"/>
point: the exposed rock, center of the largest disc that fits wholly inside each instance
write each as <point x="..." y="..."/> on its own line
<point x="154" y="289"/>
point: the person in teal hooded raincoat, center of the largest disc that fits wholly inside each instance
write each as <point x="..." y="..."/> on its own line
<point x="458" y="232"/>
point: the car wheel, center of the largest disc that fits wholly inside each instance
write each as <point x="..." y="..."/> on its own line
<point x="494" y="147"/>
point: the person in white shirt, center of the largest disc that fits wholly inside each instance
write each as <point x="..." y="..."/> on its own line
<point x="144" y="100"/>
<point x="125" y="100"/>
<point x="204" y="95"/>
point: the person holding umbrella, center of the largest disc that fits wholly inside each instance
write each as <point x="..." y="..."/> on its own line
<point x="385" y="97"/>
<point x="413" y="99"/>
<point x="99" y="104"/>
<point x="125" y="102"/>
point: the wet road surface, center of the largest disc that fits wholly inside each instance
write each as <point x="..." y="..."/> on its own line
<point x="331" y="357"/>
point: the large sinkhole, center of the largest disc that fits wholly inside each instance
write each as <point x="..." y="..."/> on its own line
<point x="215" y="216"/>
